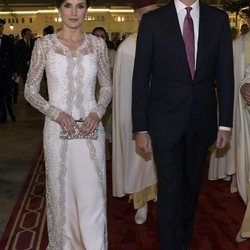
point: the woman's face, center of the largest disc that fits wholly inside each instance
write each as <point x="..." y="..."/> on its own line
<point x="73" y="13"/>
<point x="101" y="34"/>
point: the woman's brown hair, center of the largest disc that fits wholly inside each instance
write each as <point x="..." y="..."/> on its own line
<point x="60" y="2"/>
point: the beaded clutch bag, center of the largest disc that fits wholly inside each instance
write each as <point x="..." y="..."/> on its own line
<point x="77" y="134"/>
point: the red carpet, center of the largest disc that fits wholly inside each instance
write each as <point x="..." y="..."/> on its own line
<point x="218" y="219"/>
<point x="26" y="228"/>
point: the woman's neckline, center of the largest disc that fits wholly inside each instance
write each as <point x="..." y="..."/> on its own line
<point x="73" y="52"/>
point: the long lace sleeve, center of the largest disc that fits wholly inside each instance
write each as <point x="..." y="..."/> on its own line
<point x="104" y="78"/>
<point x="32" y="86"/>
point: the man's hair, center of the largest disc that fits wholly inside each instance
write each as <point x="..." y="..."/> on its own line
<point x="48" y="30"/>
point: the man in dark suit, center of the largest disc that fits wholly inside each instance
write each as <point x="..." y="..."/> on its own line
<point x="182" y="52"/>
<point x="24" y="49"/>
<point x="7" y="71"/>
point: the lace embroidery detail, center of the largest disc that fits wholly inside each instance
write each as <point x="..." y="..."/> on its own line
<point x="32" y="86"/>
<point x="55" y="226"/>
<point x="61" y="241"/>
<point x="62" y="173"/>
<point x="105" y="92"/>
<point x="99" y="168"/>
<point x="85" y="48"/>
<point x="60" y="51"/>
<point x="80" y="85"/>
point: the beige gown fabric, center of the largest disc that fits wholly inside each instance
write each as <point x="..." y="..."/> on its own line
<point x="243" y="130"/>
<point x="133" y="171"/>
<point x="235" y="160"/>
<point x="223" y="161"/>
<point x="75" y="169"/>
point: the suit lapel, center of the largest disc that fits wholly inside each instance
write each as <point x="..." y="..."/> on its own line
<point x="175" y="31"/>
<point x="204" y="37"/>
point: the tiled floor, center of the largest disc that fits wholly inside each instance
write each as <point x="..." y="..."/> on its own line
<point x="19" y="143"/>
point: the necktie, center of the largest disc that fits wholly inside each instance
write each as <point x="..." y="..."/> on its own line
<point x="188" y="37"/>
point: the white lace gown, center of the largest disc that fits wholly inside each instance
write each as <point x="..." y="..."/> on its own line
<point x="75" y="169"/>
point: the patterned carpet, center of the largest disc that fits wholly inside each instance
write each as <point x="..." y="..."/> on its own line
<point x="26" y="228"/>
<point x="218" y="218"/>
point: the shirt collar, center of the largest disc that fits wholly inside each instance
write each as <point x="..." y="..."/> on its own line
<point x="181" y="6"/>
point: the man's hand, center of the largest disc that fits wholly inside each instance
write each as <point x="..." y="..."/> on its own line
<point x="15" y="75"/>
<point x="223" y="138"/>
<point x="245" y="92"/>
<point x="143" y="141"/>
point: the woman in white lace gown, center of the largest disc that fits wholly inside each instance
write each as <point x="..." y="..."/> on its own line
<point x="75" y="169"/>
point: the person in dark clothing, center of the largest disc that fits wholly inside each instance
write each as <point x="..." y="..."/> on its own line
<point x="8" y="71"/>
<point x="180" y="54"/>
<point x="24" y="49"/>
<point x="48" y="30"/>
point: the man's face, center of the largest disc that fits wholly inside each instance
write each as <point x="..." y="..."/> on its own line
<point x="1" y="29"/>
<point x="28" y="35"/>
<point x="244" y="28"/>
<point x="100" y="33"/>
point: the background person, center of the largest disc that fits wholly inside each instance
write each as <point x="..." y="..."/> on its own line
<point x="241" y="48"/>
<point x="8" y="72"/>
<point x="24" y="49"/>
<point x="244" y="28"/>
<point x="133" y="171"/>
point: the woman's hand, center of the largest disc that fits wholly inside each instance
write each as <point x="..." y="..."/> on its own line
<point x="90" y="123"/>
<point x="245" y="92"/>
<point x="66" y="122"/>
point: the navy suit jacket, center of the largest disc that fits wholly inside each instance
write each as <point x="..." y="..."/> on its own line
<point x="8" y="63"/>
<point x="166" y="100"/>
<point x="24" y="53"/>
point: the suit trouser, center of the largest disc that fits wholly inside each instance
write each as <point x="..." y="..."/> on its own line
<point x="24" y="73"/>
<point x="6" y="102"/>
<point x="180" y="171"/>
<point x="2" y="108"/>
